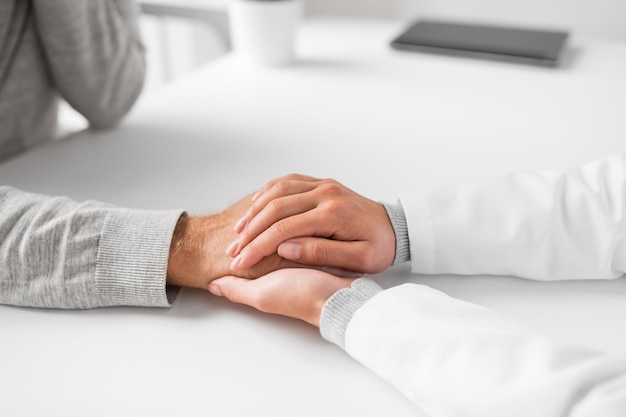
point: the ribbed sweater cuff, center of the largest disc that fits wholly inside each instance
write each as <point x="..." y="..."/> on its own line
<point x="131" y="266"/>
<point x="398" y="222"/>
<point x="341" y="306"/>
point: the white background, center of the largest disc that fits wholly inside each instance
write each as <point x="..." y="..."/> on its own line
<point x="605" y="18"/>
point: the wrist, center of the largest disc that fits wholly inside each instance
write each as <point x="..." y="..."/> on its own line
<point x="321" y="297"/>
<point x="176" y="261"/>
<point x="192" y="260"/>
<point x="198" y="250"/>
<point x="339" y="309"/>
<point x="316" y="310"/>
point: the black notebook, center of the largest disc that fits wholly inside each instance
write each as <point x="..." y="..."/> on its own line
<point x="539" y="47"/>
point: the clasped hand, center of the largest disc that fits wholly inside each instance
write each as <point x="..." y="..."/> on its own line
<point x="309" y="221"/>
<point x="314" y="222"/>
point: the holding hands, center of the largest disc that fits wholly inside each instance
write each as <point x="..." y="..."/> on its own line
<point x="314" y="222"/>
<point x="297" y="293"/>
<point x="301" y="220"/>
<point x="197" y="251"/>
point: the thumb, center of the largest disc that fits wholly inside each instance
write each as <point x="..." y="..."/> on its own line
<point x="234" y="289"/>
<point x="352" y="256"/>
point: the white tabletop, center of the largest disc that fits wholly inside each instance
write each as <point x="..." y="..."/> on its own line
<point x="380" y="121"/>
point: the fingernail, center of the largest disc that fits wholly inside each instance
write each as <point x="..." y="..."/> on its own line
<point x="241" y="223"/>
<point x="257" y="195"/>
<point x="235" y="263"/>
<point x="215" y="290"/>
<point x="290" y="250"/>
<point x="232" y="249"/>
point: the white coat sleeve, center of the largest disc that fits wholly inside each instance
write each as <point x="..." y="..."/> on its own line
<point x="538" y="225"/>
<point x="457" y="359"/>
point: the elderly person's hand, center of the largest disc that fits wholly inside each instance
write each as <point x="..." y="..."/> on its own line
<point x="197" y="253"/>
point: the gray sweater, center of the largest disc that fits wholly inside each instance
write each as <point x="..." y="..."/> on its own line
<point x="55" y="252"/>
<point x="86" y="51"/>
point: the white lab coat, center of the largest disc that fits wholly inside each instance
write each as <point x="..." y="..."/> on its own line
<point x="453" y="358"/>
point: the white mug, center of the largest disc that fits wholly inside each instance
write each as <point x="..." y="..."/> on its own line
<point x="264" y="31"/>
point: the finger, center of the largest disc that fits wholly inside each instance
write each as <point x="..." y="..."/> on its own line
<point x="353" y="256"/>
<point x="235" y="289"/>
<point x="306" y="224"/>
<point x="278" y="190"/>
<point x="275" y="211"/>
<point x="271" y="183"/>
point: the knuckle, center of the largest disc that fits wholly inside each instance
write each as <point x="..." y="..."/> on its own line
<point x="276" y="205"/>
<point x="319" y="253"/>
<point x="334" y="208"/>
<point x="278" y="228"/>
<point x="247" y="233"/>
<point x="367" y="259"/>
<point x="282" y="185"/>
<point x="330" y="188"/>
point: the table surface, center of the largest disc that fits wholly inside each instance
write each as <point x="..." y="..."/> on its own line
<point x="382" y="122"/>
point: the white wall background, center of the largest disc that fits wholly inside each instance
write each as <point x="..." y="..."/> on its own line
<point x="174" y="47"/>
<point x="604" y="18"/>
<point x="177" y="46"/>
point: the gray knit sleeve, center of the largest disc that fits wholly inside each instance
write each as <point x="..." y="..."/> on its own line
<point x="400" y="228"/>
<point x="341" y="306"/>
<point x="133" y="253"/>
<point x="58" y="253"/>
<point x="94" y="54"/>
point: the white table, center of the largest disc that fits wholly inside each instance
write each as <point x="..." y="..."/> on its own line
<point x="380" y="121"/>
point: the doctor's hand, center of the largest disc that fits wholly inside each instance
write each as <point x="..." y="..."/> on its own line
<point x="297" y="293"/>
<point x="314" y="222"/>
<point x="198" y="250"/>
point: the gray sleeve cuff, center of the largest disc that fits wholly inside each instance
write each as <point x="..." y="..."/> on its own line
<point x="131" y="266"/>
<point x="398" y="222"/>
<point x="341" y="306"/>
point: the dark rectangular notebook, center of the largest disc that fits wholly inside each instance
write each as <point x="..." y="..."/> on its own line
<point x="539" y="47"/>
